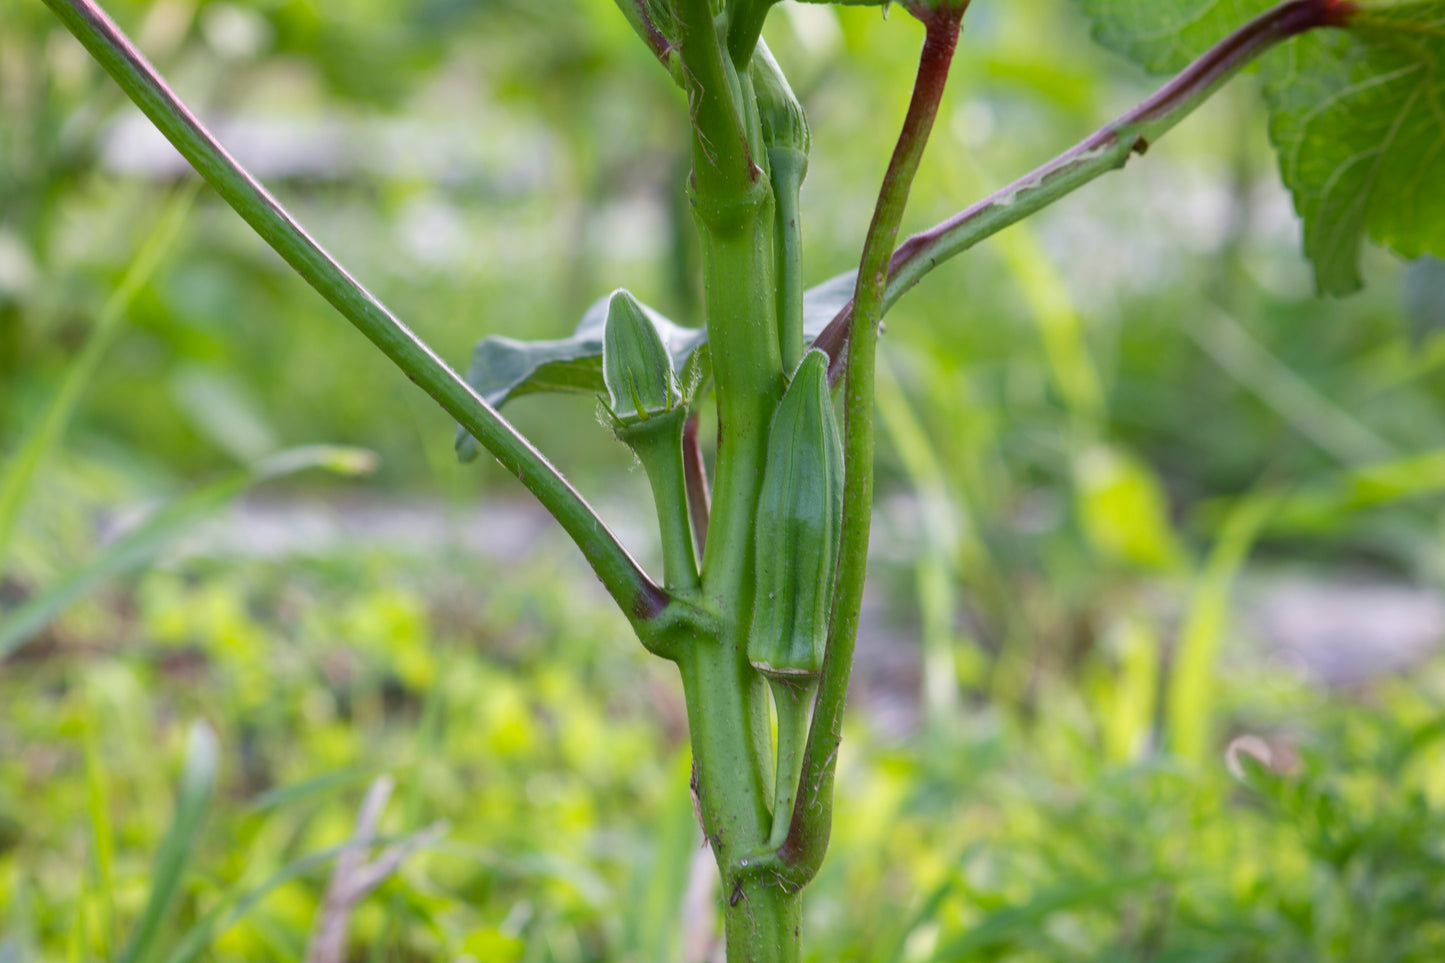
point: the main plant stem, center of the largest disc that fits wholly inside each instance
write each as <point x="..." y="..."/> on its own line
<point x="726" y="698"/>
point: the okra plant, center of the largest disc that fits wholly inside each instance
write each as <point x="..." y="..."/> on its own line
<point x="763" y="563"/>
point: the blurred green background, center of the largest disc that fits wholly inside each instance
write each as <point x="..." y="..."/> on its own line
<point x="1143" y="498"/>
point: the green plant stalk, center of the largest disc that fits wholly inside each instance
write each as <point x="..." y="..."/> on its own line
<point x="102" y="839"/>
<point x="1107" y="149"/>
<point x="726" y="699"/>
<point x="748" y="377"/>
<point x="723" y="167"/>
<point x="193" y="798"/>
<point x="734" y="754"/>
<point x="658" y="445"/>
<point x="787" y="168"/>
<point x="1190" y="709"/>
<point x="643" y="602"/>
<point x="744" y="29"/>
<point x="802" y="852"/>
<point x="793" y="700"/>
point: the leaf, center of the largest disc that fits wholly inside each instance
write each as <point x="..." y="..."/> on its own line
<point x="1163" y="36"/>
<point x="504" y="368"/>
<point x="198" y="780"/>
<point x="1358" y="119"/>
<point x="1357" y="116"/>
<point x="140" y="545"/>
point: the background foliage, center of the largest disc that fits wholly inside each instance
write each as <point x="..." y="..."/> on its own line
<point x="1108" y="434"/>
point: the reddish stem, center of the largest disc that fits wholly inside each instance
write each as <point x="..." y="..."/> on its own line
<point x="699" y="500"/>
<point x="1167" y="105"/>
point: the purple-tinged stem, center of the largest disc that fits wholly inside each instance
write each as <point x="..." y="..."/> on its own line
<point x="802" y="852"/>
<point x="1107" y="149"/>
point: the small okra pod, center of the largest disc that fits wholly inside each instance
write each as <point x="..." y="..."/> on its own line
<point x="799" y="519"/>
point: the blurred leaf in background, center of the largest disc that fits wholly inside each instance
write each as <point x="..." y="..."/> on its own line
<point x="1064" y="573"/>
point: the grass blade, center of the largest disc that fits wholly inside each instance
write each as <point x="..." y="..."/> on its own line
<point x="1191" y="678"/>
<point x="1001" y="927"/>
<point x="101" y="836"/>
<point x="234" y="906"/>
<point x="198" y="780"/>
<point x="139" y="546"/>
<point x="20" y="470"/>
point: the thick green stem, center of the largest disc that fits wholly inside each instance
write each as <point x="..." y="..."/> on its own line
<point x="762" y="921"/>
<point x="748" y="375"/>
<point x="727" y="715"/>
<point x="807" y="840"/>
<point x="723" y="166"/>
<point x="726" y="699"/>
<point x="640" y="599"/>
<point x="1107" y="149"/>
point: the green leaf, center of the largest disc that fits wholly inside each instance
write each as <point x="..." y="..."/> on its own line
<point x="1358" y="119"/>
<point x="504" y="368"/>
<point x="1357" y="115"/>
<point x="140" y="545"/>
<point x="1165" y="35"/>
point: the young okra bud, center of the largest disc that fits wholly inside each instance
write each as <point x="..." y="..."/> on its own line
<point x="636" y="367"/>
<point x="799" y="518"/>
<point x="648" y="409"/>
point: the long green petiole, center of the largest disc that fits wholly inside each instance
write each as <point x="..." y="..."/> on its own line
<point x="659" y="448"/>
<point x="745" y="28"/>
<point x="640" y="599"/>
<point x="787" y="168"/>
<point x="1107" y="149"/>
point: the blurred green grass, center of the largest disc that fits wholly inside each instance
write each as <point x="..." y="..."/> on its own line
<point x="1079" y="419"/>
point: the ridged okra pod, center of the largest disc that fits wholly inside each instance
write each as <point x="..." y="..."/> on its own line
<point x="798" y="523"/>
